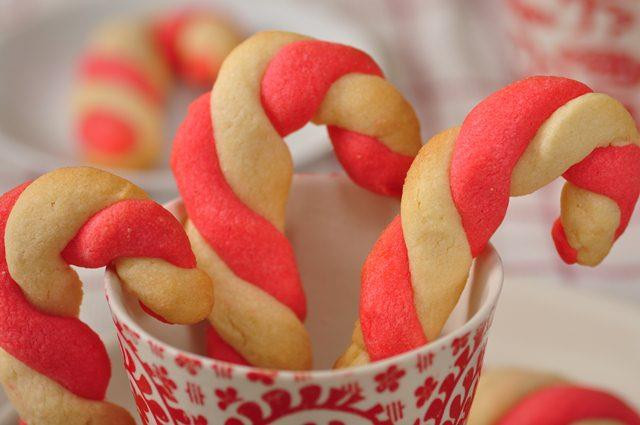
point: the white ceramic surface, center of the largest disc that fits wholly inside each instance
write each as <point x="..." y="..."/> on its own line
<point x="37" y="62"/>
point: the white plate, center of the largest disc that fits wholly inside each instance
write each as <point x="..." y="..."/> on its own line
<point x="580" y="334"/>
<point x="37" y="67"/>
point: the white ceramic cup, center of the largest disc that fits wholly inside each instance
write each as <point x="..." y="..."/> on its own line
<point x="332" y="225"/>
<point x="594" y="41"/>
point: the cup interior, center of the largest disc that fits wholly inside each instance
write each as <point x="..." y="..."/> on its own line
<point x="332" y="225"/>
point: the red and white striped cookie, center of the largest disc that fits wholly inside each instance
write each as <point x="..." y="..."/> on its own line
<point x="522" y="397"/>
<point x="457" y="192"/>
<point x="234" y="172"/>
<point x="53" y="367"/>
<point x="125" y="75"/>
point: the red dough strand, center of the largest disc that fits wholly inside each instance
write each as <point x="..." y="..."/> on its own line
<point x="120" y="71"/>
<point x="220" y="350"/>
<point x="237" y="234"/>
<point x="300" y="74"/>
<point x="565" y="405"/>
<point x="199" y="71"/>
<point x="293" y="87"/>
<point x="568" y="253"/>
<point x="104" y="131"/>
<point x="127" y="229"/>
<point x="386" y="286"/>
<point x="166" y="31"/>
<point x="377" y="168"/>
<point x="492" y="138"/>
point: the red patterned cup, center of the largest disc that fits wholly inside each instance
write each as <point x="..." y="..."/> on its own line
<point x="332" y="225"/>
<point x="595" y="41"/>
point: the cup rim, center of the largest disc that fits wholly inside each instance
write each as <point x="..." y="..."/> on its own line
<point x="120" y="311"/>
<point x="113" y="290"/>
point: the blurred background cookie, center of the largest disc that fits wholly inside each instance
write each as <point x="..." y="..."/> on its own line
<point x="522" y="397"/>
<point x="125" y="75"/>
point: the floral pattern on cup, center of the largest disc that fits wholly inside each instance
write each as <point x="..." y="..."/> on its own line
<point x="182" y="389"/>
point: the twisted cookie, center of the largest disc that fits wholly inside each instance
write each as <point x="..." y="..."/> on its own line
<point x="457" y="191"/>
<point x="234" y="172"/>
<point x="521" y="397"/>
<point x="125" y="75"/>
<point x="53" y="367"/>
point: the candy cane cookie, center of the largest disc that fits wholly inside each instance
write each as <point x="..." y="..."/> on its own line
<point x="125" y="75"/>
<point x="234" y="172"/>
<point x="53" y="367"/>
<point x="457" y="191"/>
<point x="522" y="397"/>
